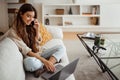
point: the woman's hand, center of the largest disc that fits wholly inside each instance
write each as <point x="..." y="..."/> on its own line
<point x="36" y="24"/>
<point x="49" y="66"/>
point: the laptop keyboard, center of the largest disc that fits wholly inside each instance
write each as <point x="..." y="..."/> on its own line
<point x="58" y="68"/>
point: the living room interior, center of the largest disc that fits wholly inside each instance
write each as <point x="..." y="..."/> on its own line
<point x="74" y="17"/>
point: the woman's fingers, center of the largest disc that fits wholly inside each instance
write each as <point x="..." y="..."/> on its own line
<point x="50" y="66"/>
<point x="36" y="24"/>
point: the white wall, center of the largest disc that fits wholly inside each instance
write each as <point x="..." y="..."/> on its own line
<point x="110" y="15"/>
<point x="50" y="1"/>
<point x="3" y="16"/>
<point x="98" y="1"/>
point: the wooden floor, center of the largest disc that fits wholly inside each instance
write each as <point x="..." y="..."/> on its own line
<point x="70" y="36"/>
<point x="73" y="36"/>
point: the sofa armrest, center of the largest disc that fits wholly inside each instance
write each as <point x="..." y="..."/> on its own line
<point x="11" y="60"/>
<point x="56" y="32"/>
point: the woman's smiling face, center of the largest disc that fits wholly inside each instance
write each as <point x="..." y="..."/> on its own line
<point x="28" y="17"/>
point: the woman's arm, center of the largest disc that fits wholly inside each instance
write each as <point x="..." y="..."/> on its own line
<point x="38" y="36"/>
<point x="37" y="28"/>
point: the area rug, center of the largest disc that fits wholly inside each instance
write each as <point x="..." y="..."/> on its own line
<point x="87" y="68"/>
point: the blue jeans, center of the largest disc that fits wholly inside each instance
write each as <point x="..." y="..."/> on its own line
<point x="56" y="51"/>
<point x="32" y="65"/>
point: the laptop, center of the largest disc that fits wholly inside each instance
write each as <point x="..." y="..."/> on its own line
<point x="61" y="73"/>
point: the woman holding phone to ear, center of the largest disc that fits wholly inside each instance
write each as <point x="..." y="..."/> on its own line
<point x="25" y="33"/>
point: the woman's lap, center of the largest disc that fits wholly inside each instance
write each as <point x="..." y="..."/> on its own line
<point x="56" y="51"/>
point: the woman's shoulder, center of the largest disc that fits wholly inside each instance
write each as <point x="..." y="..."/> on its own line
<point x="7" y="33"/>
<point x="11" y="30"/>
<point x="11" y="33"/>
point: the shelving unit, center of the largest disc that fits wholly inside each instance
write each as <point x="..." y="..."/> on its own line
<point x="82" y="16"/>
<point x="15" y="1"/>
<point x="18" y="2"/>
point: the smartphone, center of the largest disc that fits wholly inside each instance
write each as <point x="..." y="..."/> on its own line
<point x="32" y="23"/>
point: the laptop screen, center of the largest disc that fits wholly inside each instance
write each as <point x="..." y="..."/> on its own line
<point x="66" y="71"/>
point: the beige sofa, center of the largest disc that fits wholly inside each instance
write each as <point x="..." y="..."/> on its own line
<point x="11" y="60"/>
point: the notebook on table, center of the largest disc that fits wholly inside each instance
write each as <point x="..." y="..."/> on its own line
<point x="61" y="72"/>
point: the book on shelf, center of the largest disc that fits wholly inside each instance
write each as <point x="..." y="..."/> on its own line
<point x="16" y="1"/>
<point x="95" y="9"/>
<point x="86" y="13"/>
<point x="22" y="1"/>
<point x="12" y="10"/>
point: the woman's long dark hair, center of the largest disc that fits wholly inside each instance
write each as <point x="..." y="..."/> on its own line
<point x="26" y="32"/>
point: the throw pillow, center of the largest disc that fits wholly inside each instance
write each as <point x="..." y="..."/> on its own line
<point x="46" y="36"/>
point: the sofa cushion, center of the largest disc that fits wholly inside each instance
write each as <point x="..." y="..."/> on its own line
<point x="11" y="60"/>
<point x="56" y="32"/>
<point x="46" y="36"/>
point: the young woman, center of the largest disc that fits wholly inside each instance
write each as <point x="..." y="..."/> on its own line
<point x="25" y="33"/>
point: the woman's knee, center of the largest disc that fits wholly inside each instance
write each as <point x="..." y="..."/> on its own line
<point x="59" y="53"/>
<point x="61" y="49"/>
<point x="32" y="64"/>
<point x="59" y="46"/>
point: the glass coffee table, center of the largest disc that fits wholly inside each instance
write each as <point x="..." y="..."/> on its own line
<point x="106" y="54"/>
